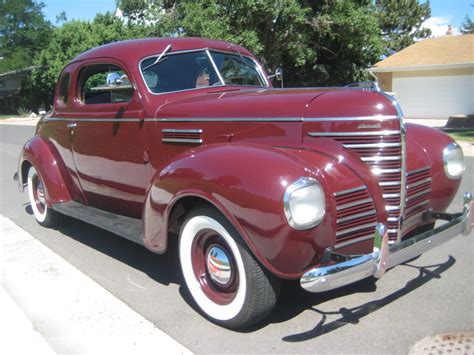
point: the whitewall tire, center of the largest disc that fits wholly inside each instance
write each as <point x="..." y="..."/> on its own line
<point x="37" y="195"/>
<point x="222" y="276"/>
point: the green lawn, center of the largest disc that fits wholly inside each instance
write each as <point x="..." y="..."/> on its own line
<point x="3" y="117"/>
<point x="461" y="134"/>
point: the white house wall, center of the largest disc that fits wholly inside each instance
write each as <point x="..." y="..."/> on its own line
<point x="435" y="93"/>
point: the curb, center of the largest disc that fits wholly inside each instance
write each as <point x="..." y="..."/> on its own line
<point x="68" y="310"/>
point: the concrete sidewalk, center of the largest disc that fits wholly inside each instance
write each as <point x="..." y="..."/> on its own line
<point x="21" y="121"/>
<point x="47" y="306"/>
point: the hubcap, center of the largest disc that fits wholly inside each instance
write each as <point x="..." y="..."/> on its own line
<point x="40" y="192"/>
<point x="218" y="265"/>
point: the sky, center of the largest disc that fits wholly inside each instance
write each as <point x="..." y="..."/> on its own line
<point x="443" y="12"/>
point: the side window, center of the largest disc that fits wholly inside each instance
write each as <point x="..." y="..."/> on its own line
<point x="63" y="89"/>
<point x="104" y="84"/>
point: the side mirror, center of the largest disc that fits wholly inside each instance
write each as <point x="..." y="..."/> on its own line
<point x="278" y="75"/>
<point x="114" y="79"/>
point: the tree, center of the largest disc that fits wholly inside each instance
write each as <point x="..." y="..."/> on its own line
<point x="317" y="43"/>
<point x="467" y="27"/>
<point x="69" y="40"/>
<point x="401" y="21"/>
<point x="23" y="33"/>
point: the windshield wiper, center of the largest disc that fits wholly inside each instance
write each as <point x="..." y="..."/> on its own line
<point x="167" y="49"/>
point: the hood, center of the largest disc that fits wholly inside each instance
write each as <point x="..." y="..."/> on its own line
<point x="261" y="103"/>
<point x="300" y="103"/>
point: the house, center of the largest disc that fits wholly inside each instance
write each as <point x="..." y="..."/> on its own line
<point x="10" y="87"/>
<point x="433" y="78"/>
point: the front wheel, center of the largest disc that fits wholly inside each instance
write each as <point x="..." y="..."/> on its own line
<point x="223" y="277"/>
<point x="36" y="192"/>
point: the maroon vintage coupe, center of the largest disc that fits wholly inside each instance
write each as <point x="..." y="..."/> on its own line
<point x="155" y="138"/>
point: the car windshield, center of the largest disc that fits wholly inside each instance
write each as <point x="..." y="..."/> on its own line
<point x="236" y="69"/>
<point x="193" y="70"/>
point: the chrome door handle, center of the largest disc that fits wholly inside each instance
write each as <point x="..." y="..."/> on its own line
<point x="71" y="125"/>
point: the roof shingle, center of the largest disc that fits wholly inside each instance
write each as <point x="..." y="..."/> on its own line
<point x="448" y="50"/>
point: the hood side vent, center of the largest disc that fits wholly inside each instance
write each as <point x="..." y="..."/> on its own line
<point x="187" y="136"/>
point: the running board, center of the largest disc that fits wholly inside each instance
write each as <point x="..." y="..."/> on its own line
<point x="126" y="227"/>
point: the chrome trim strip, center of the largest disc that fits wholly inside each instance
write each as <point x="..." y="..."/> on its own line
<point x="380" y="158"/>
<point x="418" y="194"/>
<point x="229" y="119"/>
<point x="350" y="134"/>
<point x="412" y="172"/>
<point x="392" y="208"/>
<point x="169" y="130"/>
<point x="69" y="119"/>
<point x="389" y="183"/>
<point x="353" y="241"/>
<point x="355" y="216"/>
<point x="345" y="192"/>
<point x="372" y="145"/>
<point x="181" y="140"/>
<point x="356" y="118"/>
<point x="393" y="219"/>
<point x="414" y="207"/>
<point x="197" y="119"/>
<point x="356" y="228"/>
<point x="418" y="183"/>
<point x="390" y="195"/>
<point x="352" y="204"/>
<point x="379" y="171"/>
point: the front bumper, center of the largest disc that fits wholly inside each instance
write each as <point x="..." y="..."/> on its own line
<point x="386" y="256"/>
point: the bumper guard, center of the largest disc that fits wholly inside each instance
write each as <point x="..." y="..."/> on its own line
<point x="386" y="256"/>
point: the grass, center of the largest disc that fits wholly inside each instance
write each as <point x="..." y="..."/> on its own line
<point x="466" y="135"/>
<point x="4" y="117"/>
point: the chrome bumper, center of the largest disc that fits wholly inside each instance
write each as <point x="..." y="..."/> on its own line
<point x="384" y="256"/>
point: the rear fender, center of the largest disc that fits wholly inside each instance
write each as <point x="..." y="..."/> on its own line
<point x="46" y="160"/>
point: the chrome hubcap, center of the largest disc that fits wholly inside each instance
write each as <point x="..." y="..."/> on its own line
<point x="218" y="265"/>
<point x="40" y="192"/>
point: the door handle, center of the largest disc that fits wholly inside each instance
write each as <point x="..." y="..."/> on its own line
<point x="71" y="125"/>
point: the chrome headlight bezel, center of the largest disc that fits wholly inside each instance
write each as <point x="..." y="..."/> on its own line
<point x="300" y="184"/>
<point x="453" y="154"/>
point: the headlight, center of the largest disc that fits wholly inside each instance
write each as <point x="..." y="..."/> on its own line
<point x="453" y="160"/>
<point x="304" y="203"/>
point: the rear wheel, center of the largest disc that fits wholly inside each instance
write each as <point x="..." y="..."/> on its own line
<point x="223" y="277"/>
<point x="36" y="192"/>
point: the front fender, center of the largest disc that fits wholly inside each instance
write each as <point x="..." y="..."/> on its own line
<point x="425" y="147"/>
<point x="48" y="164"/>
<point x="246" y="182"/>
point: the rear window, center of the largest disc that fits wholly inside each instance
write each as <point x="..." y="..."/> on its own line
<point x="63" y="89"/>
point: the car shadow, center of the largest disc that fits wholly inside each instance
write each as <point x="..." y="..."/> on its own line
<point x="164" y="268"/>
<point x="345" y="316"/>
<point x="293" y="300"/>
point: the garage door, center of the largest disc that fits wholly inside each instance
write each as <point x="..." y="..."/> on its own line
<point x="431" y="95"/>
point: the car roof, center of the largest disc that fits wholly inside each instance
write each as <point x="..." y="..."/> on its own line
<point x="134" y="50"/>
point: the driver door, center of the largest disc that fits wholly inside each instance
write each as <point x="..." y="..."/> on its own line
<point x="108" y="139"/>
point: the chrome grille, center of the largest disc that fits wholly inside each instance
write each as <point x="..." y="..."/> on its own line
<point x="382" y="151"/>
<point x="418" y="192"/>
<point x="356" y="216"/>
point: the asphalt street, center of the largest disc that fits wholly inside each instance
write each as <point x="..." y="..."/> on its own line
<point x="430" y="295"/>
